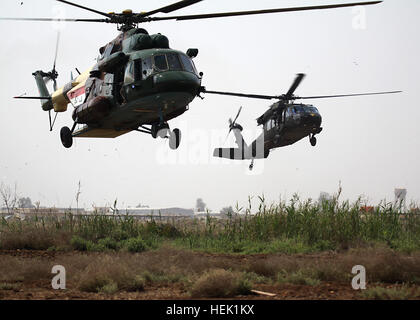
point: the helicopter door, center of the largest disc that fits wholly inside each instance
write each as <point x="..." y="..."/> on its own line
<point x="106" y="86"/>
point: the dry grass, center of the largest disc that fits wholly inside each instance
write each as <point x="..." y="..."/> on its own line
<point x="396" y="293"/>
<point x="205" y="275"/>
<point x="219" y="283"/>
<point x="33" y="238"/>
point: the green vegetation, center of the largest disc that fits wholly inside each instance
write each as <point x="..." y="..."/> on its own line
<point x="293" y="227"/>
<point x="397" y="293"/>
<point x="9" y="286"/>
<point x="303" y="277"/>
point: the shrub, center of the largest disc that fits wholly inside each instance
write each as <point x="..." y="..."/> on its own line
<point x="300" y="277"/>
<point x="108" y="243"/>
<point x="219" y="283"/>
<point x="380" y="293"/>
<point x="78" y="243"/>
<point x="135" y="285"/>
<point x="109" y="288"/>
<point x="135" y="245"/>
<point x="94" y="283"/>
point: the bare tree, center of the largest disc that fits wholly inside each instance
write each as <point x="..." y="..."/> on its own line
<point x="9" y="197"/>
<point x="77" y="196"/>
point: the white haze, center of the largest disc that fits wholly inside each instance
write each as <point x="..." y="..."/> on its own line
<point x="370" y="144"/>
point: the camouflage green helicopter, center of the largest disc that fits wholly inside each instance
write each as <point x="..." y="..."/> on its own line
<point x="138" y="83"/>
<point x="284" y="123"/>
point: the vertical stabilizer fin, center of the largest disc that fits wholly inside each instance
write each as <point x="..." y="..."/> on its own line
<point x="43" y="90"/>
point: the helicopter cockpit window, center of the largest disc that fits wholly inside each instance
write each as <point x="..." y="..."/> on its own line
<point x="173" y="62"/>
<point x="298" y="109"/>
<point x="147" y="67"/>
<point x="188" y="66"/>
<point x="107" y="51"/>
<point x="160" y="62"/>
<point x="312" y="109"/>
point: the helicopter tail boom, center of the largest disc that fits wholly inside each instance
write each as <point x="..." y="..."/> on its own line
<point x="43" y="90"/>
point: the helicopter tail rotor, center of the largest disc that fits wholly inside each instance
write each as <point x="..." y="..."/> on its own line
<point x="42" y="78"/>
<point x="233" y="124"/>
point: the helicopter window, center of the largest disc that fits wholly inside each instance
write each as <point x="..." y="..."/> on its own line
<point x="137" y="69"/>
<point x="269" y="124"/>
<point x="173" y="61"/>
<point x="147" y="67"/>
<point x="107" y="50"/>
<point x="188" y="66"/>
<point x="289" y="112"/>
<point x="313" y="109"/>
<point x="129" y="75"/>
<point x="160" y="62"/>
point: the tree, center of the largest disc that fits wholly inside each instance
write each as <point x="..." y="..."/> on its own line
<point x="25" y="203"/>
<point x="227" y="210"/>
<point x="200" y="205"/>
<point x="9" y="197"/>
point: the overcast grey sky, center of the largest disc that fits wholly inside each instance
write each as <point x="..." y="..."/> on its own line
<point x="370" y="144"/>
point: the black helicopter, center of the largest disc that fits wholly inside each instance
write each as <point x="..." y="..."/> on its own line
<point x="138" y="83"/>
<point x="284" y="123"/>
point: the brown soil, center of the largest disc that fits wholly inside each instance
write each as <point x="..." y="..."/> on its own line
<point x="38" y="285"/>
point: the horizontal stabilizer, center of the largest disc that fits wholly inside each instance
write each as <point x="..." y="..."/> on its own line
<point x="33" y="98"/>
<point x="230" y="153"/>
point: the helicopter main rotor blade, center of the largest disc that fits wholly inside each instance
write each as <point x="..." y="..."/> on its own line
<point x="56" y="50"/>
<point x="85" y="8"/>
<point x="32" y="98"/>
<point x="244" y="95"/>
<point x="252" y="12"/>
<point x="170" y="8"/>
<point x="55" y="19"/>
<point x="296" y="83"/>
<point x="239" y="112"/>
<point x="347" y="95"/>
<point x="292" y="97"/>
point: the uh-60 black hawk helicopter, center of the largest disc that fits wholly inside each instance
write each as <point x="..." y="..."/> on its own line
<point x="284" y="123"/>
<point x="139" y="82"/>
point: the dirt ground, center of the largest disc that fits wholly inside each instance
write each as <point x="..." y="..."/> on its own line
<point x="40" y="289"/>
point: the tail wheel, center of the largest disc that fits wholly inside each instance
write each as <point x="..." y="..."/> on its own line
<point x="175" y="139"/>
<point x="66" y="137"/>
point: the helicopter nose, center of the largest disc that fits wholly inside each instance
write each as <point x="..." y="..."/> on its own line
<point x="177" y="81"/>
<point x="314" y="119"/>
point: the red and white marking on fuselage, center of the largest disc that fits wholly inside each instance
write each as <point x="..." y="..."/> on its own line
<point x="77" y="97"/>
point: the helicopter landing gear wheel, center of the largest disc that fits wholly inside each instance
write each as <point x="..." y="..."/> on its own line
<point x="160" y="130"/>
<point x="66" y="137"/>
<point x="312" y="140"/>
<point x="174" y="139"/>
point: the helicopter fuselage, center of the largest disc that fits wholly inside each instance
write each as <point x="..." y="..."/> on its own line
<point x="138" y="80"/>
<point x="284" y="125"/>
<point x="157" y="86"/>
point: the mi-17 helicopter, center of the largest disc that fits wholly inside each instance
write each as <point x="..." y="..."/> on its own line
<point x="284" y="123"/>
<point x="138" y="83"/>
